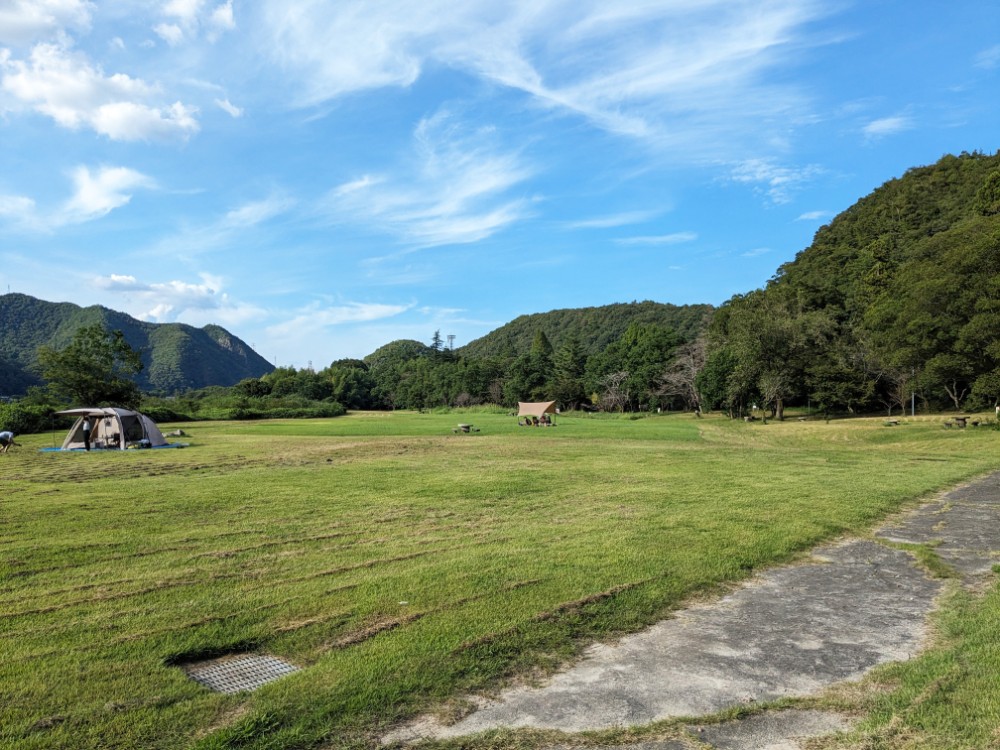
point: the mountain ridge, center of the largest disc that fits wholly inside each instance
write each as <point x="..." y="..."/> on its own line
<point x="176" y="356"/>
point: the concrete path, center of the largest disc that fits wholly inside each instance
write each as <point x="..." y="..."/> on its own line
<point x="789" y="633"/>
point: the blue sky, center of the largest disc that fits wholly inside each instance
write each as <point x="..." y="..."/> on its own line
<point x="322" y="177"/>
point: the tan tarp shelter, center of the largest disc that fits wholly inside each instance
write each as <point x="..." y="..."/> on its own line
<point x="535" y="409"/>
<point x="112" y="429"/>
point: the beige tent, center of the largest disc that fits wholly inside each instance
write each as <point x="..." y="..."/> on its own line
<point x="113" y="429"/>
<point x="535" y="410"/>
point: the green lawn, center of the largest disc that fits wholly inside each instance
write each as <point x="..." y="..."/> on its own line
<point x="397" y="563"/>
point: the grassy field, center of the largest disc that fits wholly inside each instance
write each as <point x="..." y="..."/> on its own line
<point x="398" y="563"/>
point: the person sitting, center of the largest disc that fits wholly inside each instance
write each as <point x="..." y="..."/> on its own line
<point x="6" y="441"/>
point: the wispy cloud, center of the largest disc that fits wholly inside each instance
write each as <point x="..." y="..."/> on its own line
<point x="98" y="193"/>
<point x="614" y="220"/>
<point x="814" y="215"/>
<point x="257" y="212"/>
<point x="457" y="192"/>
<point x="989" y="58"/>
<point x="886" y="126"/>
<point x="317" y="316"/>
<point x="65" y="86"/>
<point x="677" y="238"/>
<point x="774" y="180"/>
<point x="678" y="74"/>
<point x="231" y="109"/>
<point x="756" y="252"/>
<point x="234" y="225"/>
<point x="20" y="213"/>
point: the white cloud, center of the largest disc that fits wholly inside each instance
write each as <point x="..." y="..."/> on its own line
<point x="14" y="206"/>
<point x="257" y="212"/>
<point x="196" y="303"/>
<point x="230" y="108"/>
<point x="171" y="33"/>
<point x="66" y="87"/>
<point x="614" y="220"/>
<point x="23" y="22"/>
<point x="814" y="215"/>
<point x="128" y="121"/>
<point x="989" y="58"/>
<point x="353" y="186"/>
<point x="756" y="252"/>
<point x="455" y="193"/>
<point x="120" y="283"/>
<point x="187" y="18"/>
<point x="678" y="73"/>
<point x="222" y="18"/>
<point x="778" y="182"/>
<point x="20" y="212"/>
<point x="185" y="11"/>
<point x="97" y="194"/>
<point x="317" y="317"/>
<point x="676" y="238"/>
<point x="886" y="126"/>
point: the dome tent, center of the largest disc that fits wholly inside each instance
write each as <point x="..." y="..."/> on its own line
<point x="113" y="429"/>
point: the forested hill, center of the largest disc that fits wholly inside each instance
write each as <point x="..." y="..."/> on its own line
<point x="862" y="250"/>
<point x="594" y="327"/>
<point x="176" y="357"/>
<point x="898" y="295"/>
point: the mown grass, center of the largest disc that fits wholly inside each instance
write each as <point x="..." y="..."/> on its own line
<point x="398" y="563"/>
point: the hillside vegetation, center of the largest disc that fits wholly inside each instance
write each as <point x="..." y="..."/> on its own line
<point x="176" y="357"/>
<point x="898" y="297"/>
<point x="594" y="327"/>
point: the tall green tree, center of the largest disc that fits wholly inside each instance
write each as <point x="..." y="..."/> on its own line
<point x="540" y="344"/>
<point x="97" y="368"/>
<point x="568" y="366"/>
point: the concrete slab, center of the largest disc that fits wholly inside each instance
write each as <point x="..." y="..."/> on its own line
<point x="773" y="730"/>
<point x="791" y="632"/>
<point x="964" y="526"/>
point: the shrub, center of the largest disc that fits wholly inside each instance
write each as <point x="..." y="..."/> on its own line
<point x="166" y="414"/>
<point x="29" y="418"/>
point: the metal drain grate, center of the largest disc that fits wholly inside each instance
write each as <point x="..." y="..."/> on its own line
<point x="238" y="672"/>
